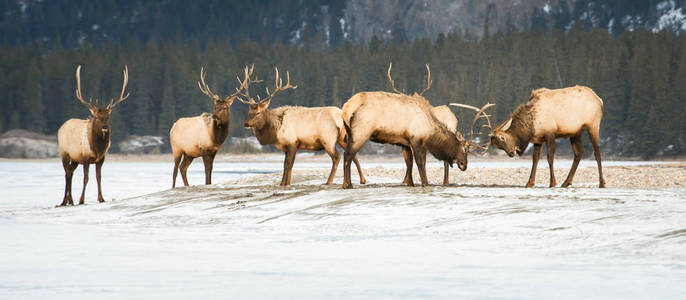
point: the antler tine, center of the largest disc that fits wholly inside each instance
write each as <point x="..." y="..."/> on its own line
<point x="391" y="79"/>
<point x="245" y="83"/>
<point x="123" y="89"/>
<point x="204" y="88"/>
<point x="480" y="114"/>
<point x="428" y="81"/>
<point x="79" y="96"/>
<point x="278" y="86"/>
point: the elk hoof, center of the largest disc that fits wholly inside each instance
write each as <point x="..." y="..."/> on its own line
<point x="530" y="184"/>
<point x="363" y="181"/>
<point x="101" y="199"/>
<point x="602" y="184"/>
<point x="347" y="185"/>
<point x="566" y="184"/>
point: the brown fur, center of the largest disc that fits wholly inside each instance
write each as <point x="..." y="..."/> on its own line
<point x="402" y="120"/>
<point x="551" y="114"/>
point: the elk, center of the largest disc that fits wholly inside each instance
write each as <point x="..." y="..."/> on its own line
<point x="404" y="120"/>
<point x="87" y="141"/>
<point x="548" y="115"/>
<point x="202" y="136"/>
<point x="291" y="128"/>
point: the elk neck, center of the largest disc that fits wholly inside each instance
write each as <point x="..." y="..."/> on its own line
<point x="267" y="132"/>
<point x="522" y="127"/>
<point x="220" y="129"/>
<point x="443" y="144"/>
<point x="99" y="141"/>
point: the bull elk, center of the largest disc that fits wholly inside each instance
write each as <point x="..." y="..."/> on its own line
<point x="548" y="115"/>
<point x="86" y="141"/>
<point x="404" y="120"/>
<point x="292" y="128"/>
<point x="202" y="136"/>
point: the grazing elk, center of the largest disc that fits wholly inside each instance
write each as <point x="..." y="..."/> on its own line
<point x="203" y="135"/>
<point x="551" y="114"/>
<point x="404" y="120"/>
<point x="291" y="128"/>
<point x="86" y="141"/>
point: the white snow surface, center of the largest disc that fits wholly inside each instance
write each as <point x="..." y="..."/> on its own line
<point x="309" y="241"/>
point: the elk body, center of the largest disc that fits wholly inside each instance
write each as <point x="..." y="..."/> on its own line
<point x="293" y="128"/>
<point x="551" y="114"/>
<point x="86" y="141"/>
<point x="203" y="135"/>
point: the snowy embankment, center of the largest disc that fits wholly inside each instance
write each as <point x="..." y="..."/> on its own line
<point x="246" y="238"/>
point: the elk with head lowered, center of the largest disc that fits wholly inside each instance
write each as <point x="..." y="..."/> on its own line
<point x="551" y="114"/>
<point x="203" y="135"/>
<point x="291" y="128"/>
<point x="408" y="121"/>
<point x="86" y="141"/>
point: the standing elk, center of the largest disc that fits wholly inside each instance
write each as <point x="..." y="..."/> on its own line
<point x="86" y="141"/>
<point x="203" y="135"/>
<point x="551" y="114"/>
<point x="404" y="120"/>
<point x="291" y="128"/>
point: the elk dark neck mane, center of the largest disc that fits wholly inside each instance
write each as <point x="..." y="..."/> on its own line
<point x="442" y="144"/>
<point x="98" y="141"/>
<point x="220" y="130"/>
<point x="266" y="134"/>
<point x="522" y="126"/>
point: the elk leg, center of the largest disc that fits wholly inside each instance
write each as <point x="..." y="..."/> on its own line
<point x="208" y="160"/>
<point x="288" y="166"/>
<point x="86" y="166"/>
<point x="351" y="148"/>
<point x="536" y="156"/>
<point x="68" y="173"/>
<point x="98" y="168"/>
<point x="419" y="158"/>
<point x="550" y="146"/>
<point x="407" y="155"/>
<point x="578" y="148"/>
<point x="177" y="160"/>
<point x="359" y="170"/>
<point x="446" y="173"/>
<point x="335" y="159"/>
<point x="596" y="151"/>
<point x="184" y="167"/>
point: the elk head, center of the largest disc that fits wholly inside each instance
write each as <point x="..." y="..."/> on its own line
<point x="505" y="140"/>
<point x="256" y="114"/>
<point x="101" y="116"/>
<point x="222" y="105"/>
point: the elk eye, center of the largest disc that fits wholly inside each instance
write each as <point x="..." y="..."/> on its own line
<point x="502" y="138"/>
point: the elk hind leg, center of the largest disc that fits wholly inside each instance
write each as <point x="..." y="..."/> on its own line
<point x="354" y="143"/>
<point x="407" y="155"/>
<point x="86" y="166"/>
<point x="578" y="148"/>
<point x="550" y="146"/>
<point x="185" y="163"/>
<point x="69" y="167"/>
<point x="595" y="135"/>
<point x="534" y="165"/>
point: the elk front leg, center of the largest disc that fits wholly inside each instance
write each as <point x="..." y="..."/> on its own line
<point x="550" y="146"/>
<point x="446" y="173"/>
<point x="578" y="148"/>
<point x="407" y="155"/>
<point x="98" y="168"/>
<point x="208" y="160"/>
<point x="85" y="182"/>
<point x="177" y="161"/>
<point x="288" y="166"/>
<point x="419" y="158"/>
<point x="536" y="156"/>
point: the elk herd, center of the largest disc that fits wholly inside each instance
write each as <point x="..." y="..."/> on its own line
<point x="397" y="118"/>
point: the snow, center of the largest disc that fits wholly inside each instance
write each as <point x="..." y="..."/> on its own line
<point x="670" y="17"/>
<point x="547" y="8"/>
<point x="310" y="241"/>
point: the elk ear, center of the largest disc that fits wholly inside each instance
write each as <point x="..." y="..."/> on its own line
<point x="229" y="100"/>
<point x="506" y="126"/>
<point x="265" y="104"/>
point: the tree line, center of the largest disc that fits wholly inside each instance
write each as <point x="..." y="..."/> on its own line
<point x="640" y="75"/>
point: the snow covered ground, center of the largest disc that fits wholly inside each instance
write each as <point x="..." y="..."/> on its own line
<point x="379" y="240"/>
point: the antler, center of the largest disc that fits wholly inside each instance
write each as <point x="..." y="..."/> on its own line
<point x="79" y="96"/>
<point x="123" y="88"/>
<point x="428" y="80"/>
<point x="480" y="114"/>
<point x="278" y="86"/>
<point x="391" y="79"/>
<point x="204" y="88"/>
<point x="245" y="84"/>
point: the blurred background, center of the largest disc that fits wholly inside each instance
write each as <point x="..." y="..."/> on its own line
<point x="631" y="52"/>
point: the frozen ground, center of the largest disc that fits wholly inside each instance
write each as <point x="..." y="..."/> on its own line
<point x="380" y="240"/>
